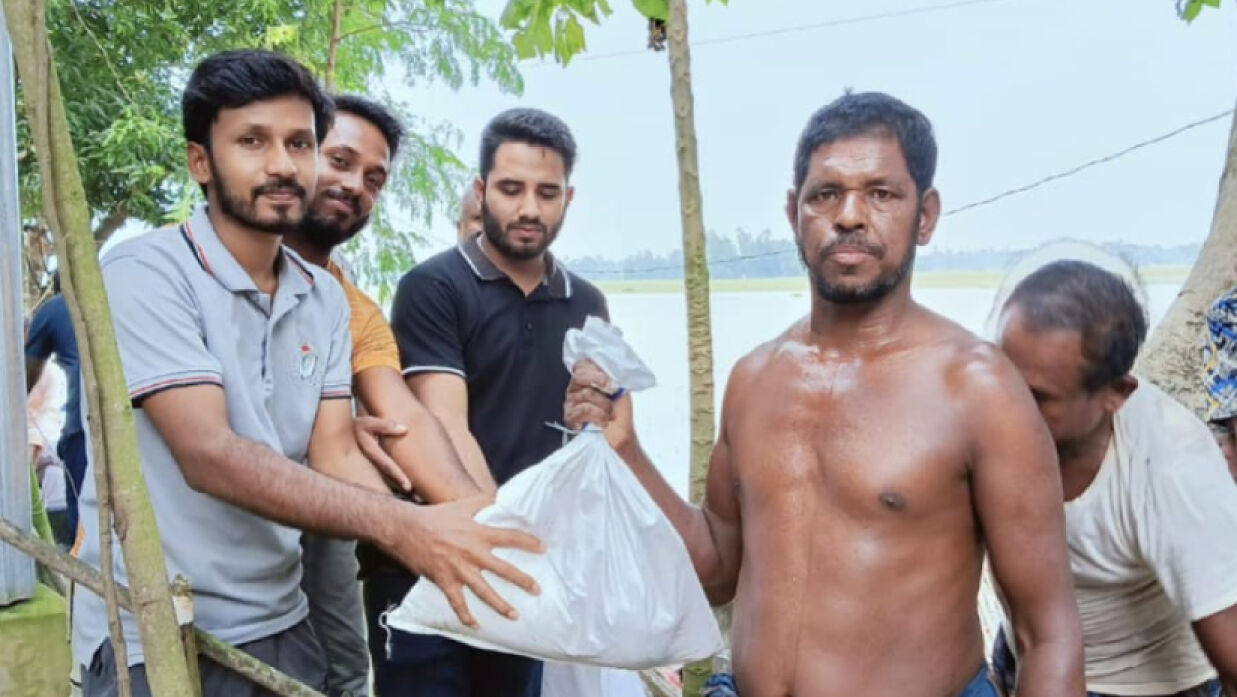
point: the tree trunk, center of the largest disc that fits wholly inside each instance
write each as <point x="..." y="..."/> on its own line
<point x="111" y="427"/>
<point x="695" y="258"/>
<point x="332" y="50"/>
<point x="695" y="279"/>
<point x="1172" y="357"/>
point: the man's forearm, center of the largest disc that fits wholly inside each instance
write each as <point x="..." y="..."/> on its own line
<point x="688" y="520"/>
<point x="426" y="454"/>
<point x="259" y="480"/>
<point x="472" y="458"/>
<point x="1051" y="668"/>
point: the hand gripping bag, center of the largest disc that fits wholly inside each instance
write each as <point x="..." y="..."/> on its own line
<point x="617" y="585"/>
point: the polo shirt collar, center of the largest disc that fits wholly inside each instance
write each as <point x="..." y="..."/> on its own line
<point x="557" y="280"/>
<point x="216" y="260"/>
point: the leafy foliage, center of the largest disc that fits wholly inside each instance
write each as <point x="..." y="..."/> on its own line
<point x="545" y="27"/>
<point x="1189" y="9"/>
<point x="122" y="66"/>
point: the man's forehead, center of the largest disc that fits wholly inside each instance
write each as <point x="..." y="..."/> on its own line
<point x="277" y="114"/>
<point x="354" y="133"/>
<point x="876" y="149"/>
<point x="515" y="160"/>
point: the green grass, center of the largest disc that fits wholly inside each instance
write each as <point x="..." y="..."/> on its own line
<point x="923" y="279"/>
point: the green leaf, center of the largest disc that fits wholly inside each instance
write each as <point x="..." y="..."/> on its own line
<point x="653" y="9"/>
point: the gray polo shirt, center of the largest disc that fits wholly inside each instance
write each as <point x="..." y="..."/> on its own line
<point x="186" y="313"/>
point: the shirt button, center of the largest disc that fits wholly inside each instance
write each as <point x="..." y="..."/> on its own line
<point x="529" y="326"/>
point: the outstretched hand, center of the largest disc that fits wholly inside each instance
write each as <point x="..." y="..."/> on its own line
<point x="449" y="548"/>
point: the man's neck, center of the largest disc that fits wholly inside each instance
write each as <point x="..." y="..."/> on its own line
<point x="1081" y="461"/>
<point x="527" y="274"/>
<point x="257" y="252"/>
<point x="861" y="327"/>
<point x="309" y="251"/>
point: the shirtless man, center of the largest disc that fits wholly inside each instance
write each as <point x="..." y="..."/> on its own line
<point x="868" y="455"/>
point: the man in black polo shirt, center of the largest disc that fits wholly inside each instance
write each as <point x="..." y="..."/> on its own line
<point x="480" y="332"/>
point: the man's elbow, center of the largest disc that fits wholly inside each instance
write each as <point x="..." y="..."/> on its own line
<point x="720" y="595"/>
<point x="720" y="584"/>
<point x="205" y="464"/>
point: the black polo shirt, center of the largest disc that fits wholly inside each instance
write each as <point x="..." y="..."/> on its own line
<point x="458" y="313"/>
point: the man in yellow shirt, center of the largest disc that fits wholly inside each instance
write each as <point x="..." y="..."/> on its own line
<point x="354" y="165"/>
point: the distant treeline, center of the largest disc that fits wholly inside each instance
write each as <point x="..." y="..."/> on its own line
<point x="764" y="256"/>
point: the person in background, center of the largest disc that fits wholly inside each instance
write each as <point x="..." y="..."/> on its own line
<point x="1220" y="373"/>
<point x="354" y="164"/>
<point x="1150" y="508"/>
<point x="480" y="330"/>
<point x="50" y="334"/>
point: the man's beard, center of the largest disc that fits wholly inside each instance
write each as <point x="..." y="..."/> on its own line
<point x="245" y="212"/>
<point x="327" y="233"/>
<point x="878" y="288"/>
<point x="496" y="237"/>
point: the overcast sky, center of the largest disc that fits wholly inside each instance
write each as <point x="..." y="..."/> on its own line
<point x="1017" y="90"/>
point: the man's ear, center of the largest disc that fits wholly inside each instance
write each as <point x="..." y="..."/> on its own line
<point x="197" y="158"/>
<point x="1119" y="391"/>
<point x="792" y="211"/>
<point x="929" y="215"/>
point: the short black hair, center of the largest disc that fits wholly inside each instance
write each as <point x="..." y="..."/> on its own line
<point x="381" y="117"/>
<point x="531" y="126"/>
<point x="864" y="113"/>
<point x="1077" y="296"/>
<point x="233" y="79"/>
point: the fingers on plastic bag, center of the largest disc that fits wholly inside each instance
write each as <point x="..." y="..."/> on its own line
<point x="455" y="597"/>
<point x="506" y="537"/>
<point x="489" y="596"/>
<point x="512" y="573"/>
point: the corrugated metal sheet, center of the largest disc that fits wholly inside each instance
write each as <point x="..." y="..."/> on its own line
<point x="16" y="570"/>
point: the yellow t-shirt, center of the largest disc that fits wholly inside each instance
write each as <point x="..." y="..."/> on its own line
<point x="373" y="343"/>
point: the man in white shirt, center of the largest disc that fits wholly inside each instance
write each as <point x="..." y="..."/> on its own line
<point x="1151" y="511"/>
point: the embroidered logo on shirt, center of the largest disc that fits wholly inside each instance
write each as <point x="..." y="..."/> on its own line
<point x="309" y="361"/>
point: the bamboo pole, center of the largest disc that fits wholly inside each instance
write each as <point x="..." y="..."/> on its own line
<point x="218" y="651"/>
<point x="111" y="424"/>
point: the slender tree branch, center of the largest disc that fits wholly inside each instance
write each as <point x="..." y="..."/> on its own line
<point x="110" y="224"/>
<point x="332" y="51"/>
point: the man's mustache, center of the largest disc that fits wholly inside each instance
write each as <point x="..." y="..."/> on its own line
<point x="856" y="243"/>
<point x="280" y="186"/>
<point x="352" y="200"/>
<point x="526" y="223"/>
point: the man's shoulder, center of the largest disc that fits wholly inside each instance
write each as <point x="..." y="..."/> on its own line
<point x="448" y="264"/>
<point x="445" y="272"/>
<point x="754" y="363"/>
<point x="330" y="289"/>
<point x="1161" y="434"/>
<point x="587" y="292"/>
<point x="50" y="311"/>
<point x="157" y="248"/>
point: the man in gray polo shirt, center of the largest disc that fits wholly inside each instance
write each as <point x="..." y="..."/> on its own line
<point x="236" y="354"/>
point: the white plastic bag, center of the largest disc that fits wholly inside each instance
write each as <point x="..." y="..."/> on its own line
<point x="617" y="585"/>
<point x="569" y="680"/>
